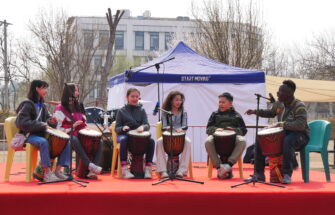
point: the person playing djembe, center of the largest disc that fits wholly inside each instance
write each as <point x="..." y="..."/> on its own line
<point x="33" y="117"/>
<point x="292" y="117"/>
<point x="132" y="118"/>
<point x="63" y="114"/>
<point x="174" y="102"/>
<point x="223" y="122"/>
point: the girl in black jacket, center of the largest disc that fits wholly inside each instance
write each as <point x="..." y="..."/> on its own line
<point x="33" y="118"/>
<point x="133" y="117"/>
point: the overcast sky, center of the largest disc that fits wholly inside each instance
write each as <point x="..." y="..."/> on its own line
<point x="289" y="21"/>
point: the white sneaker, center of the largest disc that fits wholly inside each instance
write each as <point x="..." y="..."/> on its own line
<point x="126" y="173"/>
<point x="92" y="175"/>
<point x="60" y="175"/>
<point x="148" y="172"/>
<point x="94" y="168"/>
<point x="223" y="170"/>
<point x="164" y="174"/>
<point x="179" y="173"/>
<point x="49" y="176"/>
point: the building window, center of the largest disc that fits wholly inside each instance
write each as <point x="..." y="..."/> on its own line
<point x="154" y="41"/>
<point x="103" y="39"/>
<point x="97" y="63"/>
<point x="119" y="40"/>
<point x="168" y="38"/>
<point x="139" y="40"/>
<point x="88" y="39"/>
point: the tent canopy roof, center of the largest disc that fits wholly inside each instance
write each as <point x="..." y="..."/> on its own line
<point x="307" y="90"/>
<point x="188" y="66"/>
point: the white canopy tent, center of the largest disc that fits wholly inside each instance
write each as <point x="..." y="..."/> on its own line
<point x="201" y="80"/>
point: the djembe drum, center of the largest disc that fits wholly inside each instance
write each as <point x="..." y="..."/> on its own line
<point x="57" y="141"/>
<point x="173" y="147"/>
<point x="138" y="143"/>
<point x="271" y="143"/>
<point x="224" y="143"/>
<point x="90" y="140"/>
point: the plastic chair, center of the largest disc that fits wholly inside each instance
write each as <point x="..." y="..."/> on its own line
<point x="159" y="134"/>
<point x="31" y="151"/>
<point x="319" y="139"/>
<point x="116" y="152"/>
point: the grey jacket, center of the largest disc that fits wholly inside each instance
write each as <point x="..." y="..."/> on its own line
<point x="292" y="117"/>
<point x="133" y="117"/>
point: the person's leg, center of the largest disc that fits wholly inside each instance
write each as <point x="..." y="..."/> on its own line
<point x="240" y="144"/>
<point x="185" y="157"/>
<point x="43" y="145"/>
<point x="150" y="152"/>
<point x="78" y="148"/>
<point x="292" y="141"/>
<point x="64" y="157"/>
<point x="123" y="140"/>
<point x="213" y="155"/>
<point x="160" y="155"/>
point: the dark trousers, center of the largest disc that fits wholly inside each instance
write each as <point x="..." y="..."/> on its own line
<point x="82" y="154"/>
<point x="123" y="140"/>
<point x="293" y="141"/>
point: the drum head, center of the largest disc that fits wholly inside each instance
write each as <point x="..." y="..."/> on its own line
<point x="224" y="133"/>
<point x="58" y="133"/>
<point x="167" y="133"/>
<point x="270" y="131"/>
<point x="90" y="132"/>
<point x="139" y="134"/>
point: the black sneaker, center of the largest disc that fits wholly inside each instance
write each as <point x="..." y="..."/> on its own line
<point x="259" y="177"/>
<point x="286" y="179"/>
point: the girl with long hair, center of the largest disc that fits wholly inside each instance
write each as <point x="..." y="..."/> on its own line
<point x="174" y="102"/>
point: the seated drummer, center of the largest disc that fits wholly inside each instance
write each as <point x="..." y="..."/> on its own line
<point x="133" y="117"/>
<point x="63" y="116"/>
<point x="225" y="118"/>
<point x="292" y="117"/>
<point x="33" y="118"/>
<point x="174" y="102"/>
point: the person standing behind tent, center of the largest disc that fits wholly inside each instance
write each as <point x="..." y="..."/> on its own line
<point x="34" y="118"/>
<point x="133" y="117"/>
<point x="174" y="102"/>
<point x="225" y="118"/>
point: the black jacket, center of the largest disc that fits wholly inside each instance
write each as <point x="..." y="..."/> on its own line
<point x="133" y="117"/>
<point x="229" y="118"/>
<point x="26" y="118"/>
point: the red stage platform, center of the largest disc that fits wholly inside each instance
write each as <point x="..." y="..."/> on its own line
<point x="116" y="196"/>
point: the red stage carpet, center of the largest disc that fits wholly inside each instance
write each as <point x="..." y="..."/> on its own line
<point x="116" y="196"/>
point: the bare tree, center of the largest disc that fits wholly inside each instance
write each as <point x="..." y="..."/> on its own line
<point x="229" y="33"/>
<point x="317" y="60"/>
<point x="113" y="21"/>
<point x="61" y="53"/>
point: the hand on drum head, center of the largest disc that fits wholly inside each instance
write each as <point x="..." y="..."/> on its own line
<point x="249" y="112"/>
<point x="278" y="124"/>
<point x="77" y="123"/>
<point x="140" y="129"/>
<point x="230" y="128"/>
<point x="179" y="130"/>
<point x="219" y="129"/>
<point x="125" y="128"/>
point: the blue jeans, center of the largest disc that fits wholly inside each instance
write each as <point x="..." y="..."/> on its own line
<point x="123" y="140"/>
<point x="293" y="141"/>
<point x="43" y="145"/>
